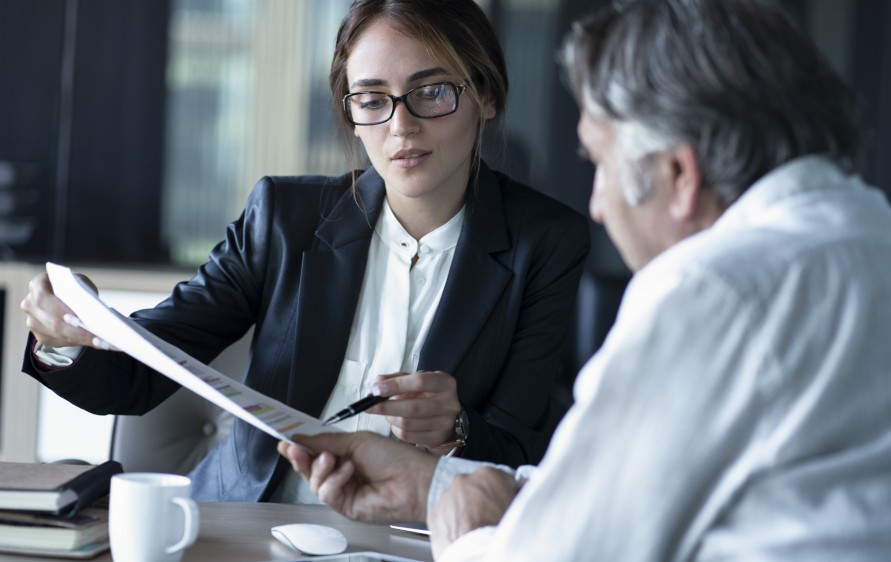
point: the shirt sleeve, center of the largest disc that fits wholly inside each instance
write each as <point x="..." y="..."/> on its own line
<point x="470" y="547"/>
<point x="653" y="426"/>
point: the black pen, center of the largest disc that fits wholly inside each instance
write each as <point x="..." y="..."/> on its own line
<point x="355" y="408"/>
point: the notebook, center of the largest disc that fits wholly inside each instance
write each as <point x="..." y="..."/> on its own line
<point x="53" y="488"/>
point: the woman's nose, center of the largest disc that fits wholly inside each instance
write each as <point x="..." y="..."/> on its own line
<point x="403" y="122"/>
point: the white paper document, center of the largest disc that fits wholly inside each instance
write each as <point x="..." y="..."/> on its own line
<point x="273" y="417"/>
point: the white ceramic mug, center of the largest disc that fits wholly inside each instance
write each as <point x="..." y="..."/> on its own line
<point x="151" y="517"/>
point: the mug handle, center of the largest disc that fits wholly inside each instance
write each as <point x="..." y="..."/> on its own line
<point x="190" y="526"/>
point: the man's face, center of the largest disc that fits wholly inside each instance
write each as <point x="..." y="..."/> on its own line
<point x="640" y="232"/>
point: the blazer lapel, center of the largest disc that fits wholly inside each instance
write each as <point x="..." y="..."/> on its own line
<point x="476" y="279"/>
<point x="330" y="282"/>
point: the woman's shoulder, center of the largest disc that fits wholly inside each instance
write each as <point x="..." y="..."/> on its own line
<point x="303" y="185"/>
<point x="303" y="192"/>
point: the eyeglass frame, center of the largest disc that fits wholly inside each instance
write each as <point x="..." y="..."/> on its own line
<point x="459" y="89"/>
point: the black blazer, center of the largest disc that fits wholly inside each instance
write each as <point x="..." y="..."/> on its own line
<point x="293" y="265"/>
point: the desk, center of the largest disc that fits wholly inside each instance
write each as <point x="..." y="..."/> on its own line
<point x="239" y="532"/>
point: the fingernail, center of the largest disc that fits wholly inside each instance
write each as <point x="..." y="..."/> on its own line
<point x="72" y="320"/>
<point x="101" y="344"/>
<point x="379" y="389"/>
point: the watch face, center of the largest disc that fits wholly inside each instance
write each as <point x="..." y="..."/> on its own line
<point x="462" y="425"/>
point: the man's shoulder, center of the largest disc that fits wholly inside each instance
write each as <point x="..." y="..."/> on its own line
<point x="758" y="260"/>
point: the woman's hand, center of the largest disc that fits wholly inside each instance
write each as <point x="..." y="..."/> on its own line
<point x="51" y="321"/>
<point x="423" y="407"/>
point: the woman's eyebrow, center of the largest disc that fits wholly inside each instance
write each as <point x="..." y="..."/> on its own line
<point x="421" y="74"/>
<point x="437" y="71"/>
<point x="368" y="82"/>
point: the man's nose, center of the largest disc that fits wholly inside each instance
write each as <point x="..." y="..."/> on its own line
<point x="595" y="205"/>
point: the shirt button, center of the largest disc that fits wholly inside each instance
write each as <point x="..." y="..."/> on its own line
<point x="424" y="250"/>
<point x="421" y="280"/>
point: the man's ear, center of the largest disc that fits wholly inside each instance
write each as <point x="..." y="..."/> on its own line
<point x="686" y="182"/>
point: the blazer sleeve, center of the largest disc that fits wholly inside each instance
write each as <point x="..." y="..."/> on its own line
<point x="202" y="316"/>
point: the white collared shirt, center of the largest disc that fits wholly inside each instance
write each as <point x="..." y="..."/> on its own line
<point x="740" y="408"/>
<point x="396" y="307"/>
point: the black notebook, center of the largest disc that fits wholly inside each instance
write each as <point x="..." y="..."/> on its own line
<point x="54" y="488"/>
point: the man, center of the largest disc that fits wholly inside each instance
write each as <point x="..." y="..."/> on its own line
<point x="740" y="408"/>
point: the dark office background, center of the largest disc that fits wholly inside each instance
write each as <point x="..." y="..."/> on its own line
<point x="82" y="118"/>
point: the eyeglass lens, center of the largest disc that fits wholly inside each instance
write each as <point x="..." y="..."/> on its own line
<point x="431" y="100"/>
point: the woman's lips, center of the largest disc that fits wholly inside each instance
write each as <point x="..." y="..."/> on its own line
<point x="410" y="158"/>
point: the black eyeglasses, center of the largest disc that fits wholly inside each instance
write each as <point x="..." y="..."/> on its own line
<point x="424" y="102"/>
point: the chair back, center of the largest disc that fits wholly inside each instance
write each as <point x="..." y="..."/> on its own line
<point x="182" y="430"/>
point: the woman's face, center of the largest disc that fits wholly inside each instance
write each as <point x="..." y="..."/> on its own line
<point x="422" y="161"/>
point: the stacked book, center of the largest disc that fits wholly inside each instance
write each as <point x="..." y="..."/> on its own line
<point x="57" y="510"/>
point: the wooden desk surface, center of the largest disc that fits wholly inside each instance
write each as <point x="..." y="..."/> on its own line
<point x="240" y="532"/>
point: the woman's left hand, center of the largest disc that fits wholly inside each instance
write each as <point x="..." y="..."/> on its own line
<point x="423" y="407"/>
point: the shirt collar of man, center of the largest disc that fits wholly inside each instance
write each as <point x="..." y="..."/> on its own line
<point x="794" y="178"/>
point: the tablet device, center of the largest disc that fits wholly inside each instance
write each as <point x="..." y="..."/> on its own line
<point x="366" y="556"/>
<point x="419" y="528"/>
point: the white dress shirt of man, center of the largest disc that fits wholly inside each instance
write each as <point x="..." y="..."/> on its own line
<point x="740" y="408"/>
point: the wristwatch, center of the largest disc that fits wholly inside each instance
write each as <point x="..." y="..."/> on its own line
<point x="455" y="447"/>
<point x="462" y="427"/>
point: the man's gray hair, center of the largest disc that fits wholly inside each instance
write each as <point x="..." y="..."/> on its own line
<point x="735" y="79"/>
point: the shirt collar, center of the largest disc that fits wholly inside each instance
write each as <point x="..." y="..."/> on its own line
<point x="398" y="239"/>
<point x="797" y="177"/>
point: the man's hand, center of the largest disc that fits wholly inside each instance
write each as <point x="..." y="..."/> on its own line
<point x="53" y="323"/>
<point x="473" y="500"/>
<point x="423" y="407"/>
<point x="364" y="475"/>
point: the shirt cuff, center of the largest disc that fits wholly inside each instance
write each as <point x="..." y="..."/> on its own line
<point x="448" y="468"/>
<point x="56" y="357"/>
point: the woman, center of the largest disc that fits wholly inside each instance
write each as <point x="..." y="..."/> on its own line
<point x="428" y="277"/>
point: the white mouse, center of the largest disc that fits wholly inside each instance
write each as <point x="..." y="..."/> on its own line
<point x="311" y="539"/>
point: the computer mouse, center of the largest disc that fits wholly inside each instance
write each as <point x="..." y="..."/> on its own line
<point x="310" y="538"/>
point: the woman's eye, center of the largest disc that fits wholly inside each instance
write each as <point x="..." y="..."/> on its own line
<point x="372" y="104"/>
<point x="430" y="92"/>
